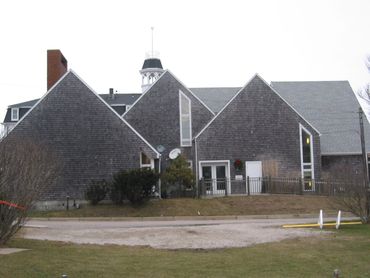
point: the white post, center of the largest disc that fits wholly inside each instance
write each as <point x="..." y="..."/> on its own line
<point x="338" y="220"/>
<point x="321" y="220"/>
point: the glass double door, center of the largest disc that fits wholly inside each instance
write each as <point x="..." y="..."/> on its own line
<point x="215" y="179"/>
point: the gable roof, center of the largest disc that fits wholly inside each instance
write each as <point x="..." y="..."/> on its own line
<point x="215" y="98"/>
<point x="241" y="90"/>
<point x="331" y="106"/>
<point x="27" y="104"/>
<point x="71" y="72"/>
<point x="127" y="99"/>
<point x="178" y="80"/>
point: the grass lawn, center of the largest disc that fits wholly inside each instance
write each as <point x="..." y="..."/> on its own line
<point x="252" y="205"/>
<point x="348" y="250"/>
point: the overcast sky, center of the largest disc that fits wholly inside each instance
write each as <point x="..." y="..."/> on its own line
<point x="204" y="43"/>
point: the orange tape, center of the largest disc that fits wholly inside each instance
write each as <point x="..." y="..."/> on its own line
<point x="11" y="205"/>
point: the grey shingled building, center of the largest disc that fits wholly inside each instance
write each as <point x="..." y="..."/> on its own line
<point x="284" y="129"/>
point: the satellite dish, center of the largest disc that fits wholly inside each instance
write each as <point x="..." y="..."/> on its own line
<point x="161" y="148"/>
<point x="174" y="153"/>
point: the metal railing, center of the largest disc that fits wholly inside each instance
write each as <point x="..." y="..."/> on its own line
<point x="273" y="185"/>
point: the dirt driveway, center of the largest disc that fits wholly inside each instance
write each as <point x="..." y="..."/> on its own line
<point x="193" y="234"/>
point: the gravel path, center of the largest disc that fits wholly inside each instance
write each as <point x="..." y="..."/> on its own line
<point x="192" y="234"/>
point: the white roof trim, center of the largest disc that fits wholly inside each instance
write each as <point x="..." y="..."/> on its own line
<point x="178" y="80"/>
<point x="142" y="95"/>
<point x="194" y="95"/>
<point x="37" y="103"/>
<point x="59" y="81"/>
<point x="314" y="128"/>
<point x="120" y="117"/>
<point x="223" y="108"/>
<point x="232" y="99"/>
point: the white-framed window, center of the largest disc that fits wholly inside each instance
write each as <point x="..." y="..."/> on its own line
<point x="14" y="114"/>
<point x="185" y="120"/>
<point x="128" y="107"/>
<point x="307" y="163"/>
<point x="190" y="164"/>
<point x="145" y="161"/>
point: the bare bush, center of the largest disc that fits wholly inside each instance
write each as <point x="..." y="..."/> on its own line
<point x="353" y="197"/>
<point x="350" y="192"/>
<point x="26" y="170"/>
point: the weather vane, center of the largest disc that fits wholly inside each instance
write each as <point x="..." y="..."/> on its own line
<point x="152" y="41"/>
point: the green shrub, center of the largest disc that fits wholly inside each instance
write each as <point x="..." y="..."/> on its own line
<point x="178" y="179"/>
<point x="97" y="191"/>
<point x="135" y="185"/>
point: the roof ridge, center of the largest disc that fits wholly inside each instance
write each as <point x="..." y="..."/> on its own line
<point x="309" y="81"/>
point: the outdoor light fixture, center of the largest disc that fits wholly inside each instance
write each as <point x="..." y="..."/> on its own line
<point x="308" y="140"/>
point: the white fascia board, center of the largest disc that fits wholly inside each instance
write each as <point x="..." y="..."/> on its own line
<point x="144" y="93"/>
<point x="314" y="128"/>
<point x="41" y="99"/>
<point x="59" y="81"/>
<point x="194" y="95"/>
<point x="120" y="117"/>
<point x="223" y="108"/>
<point x="232" y="99"/>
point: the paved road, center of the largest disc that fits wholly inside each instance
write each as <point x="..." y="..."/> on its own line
<point x="174" y="234"/>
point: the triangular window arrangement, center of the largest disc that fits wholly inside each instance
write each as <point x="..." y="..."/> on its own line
<point x="185" y="120"/>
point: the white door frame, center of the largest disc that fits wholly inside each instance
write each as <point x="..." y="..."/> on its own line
<point x="217" y="163"/>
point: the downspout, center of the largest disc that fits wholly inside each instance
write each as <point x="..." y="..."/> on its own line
<point x="159" y="181"/>
<point x="196" y="166"/>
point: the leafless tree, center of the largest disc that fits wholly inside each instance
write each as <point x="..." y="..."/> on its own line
<point x="350" y="192"/>
<point x="26" y="170"/>
<point x="364" y="93"/>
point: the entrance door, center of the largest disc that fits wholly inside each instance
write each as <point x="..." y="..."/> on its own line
<point x="215" y="178"/>
<point x="253" y="170"/>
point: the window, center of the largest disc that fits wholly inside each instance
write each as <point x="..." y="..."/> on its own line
<point x="14" y="114"/>
<point x="128" y="107"/>
<point x="185" y="120"/>
<point x="306" y="158"/>
<point x="190" y="164"/>
<point x="145" y="161"/>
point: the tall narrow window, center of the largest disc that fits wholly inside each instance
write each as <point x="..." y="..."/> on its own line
<point x="307" y="158"/>
<point x="14" y="114"/>
<point x="185" y="119"/>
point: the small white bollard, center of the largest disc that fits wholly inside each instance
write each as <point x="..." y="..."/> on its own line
<point x="321" y="220"/>
<point x="338" y="220"/>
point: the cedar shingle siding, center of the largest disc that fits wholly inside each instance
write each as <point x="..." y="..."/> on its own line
<point x="258" y="126"/>
<point x="156" y="115"/>
<point x="88" y="138"/>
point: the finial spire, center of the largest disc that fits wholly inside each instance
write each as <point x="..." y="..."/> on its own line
<point x="152" y="67"/>
<point x="152" y="41"/>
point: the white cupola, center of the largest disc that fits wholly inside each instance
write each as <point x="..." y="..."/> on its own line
<point x="151" y="70"/>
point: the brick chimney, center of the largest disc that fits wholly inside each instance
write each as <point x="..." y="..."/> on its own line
<point x="57" y="66"/>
